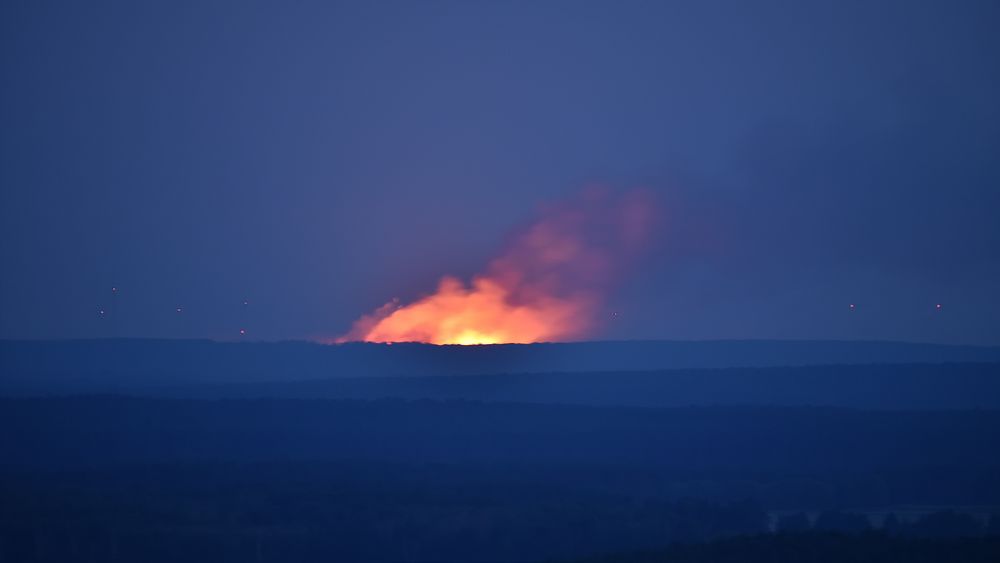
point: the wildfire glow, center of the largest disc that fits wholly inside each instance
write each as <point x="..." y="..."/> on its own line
<point x="548" y="286"/>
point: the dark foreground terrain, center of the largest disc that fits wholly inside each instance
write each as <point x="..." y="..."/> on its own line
<point x="136" y="451"/>
<point x="126" y="479"/>
<point x="823" y="547"/>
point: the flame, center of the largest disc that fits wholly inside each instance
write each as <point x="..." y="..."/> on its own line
<point x="548" y="286"/>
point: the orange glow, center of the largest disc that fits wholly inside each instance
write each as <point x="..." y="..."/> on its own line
<point x="548" y="285"/>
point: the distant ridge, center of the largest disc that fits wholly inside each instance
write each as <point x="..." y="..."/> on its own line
<point x="125" y="364"/>
<point x="952" y="386"/>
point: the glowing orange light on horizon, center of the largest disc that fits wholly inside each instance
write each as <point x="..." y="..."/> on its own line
<point x="547" y="286"/>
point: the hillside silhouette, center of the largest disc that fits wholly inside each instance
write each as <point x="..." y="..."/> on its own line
<point x="127" y="365"/>
<point x="871" y="386"/>
<point x="116" y="478"/>
<point x="147" y="450"/>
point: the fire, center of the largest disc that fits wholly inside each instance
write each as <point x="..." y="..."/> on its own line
<point x="548" y="286"/>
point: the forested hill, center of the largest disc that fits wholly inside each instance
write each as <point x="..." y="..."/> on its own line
<point x="123" y="364"/>
<point x="870" y="386"/>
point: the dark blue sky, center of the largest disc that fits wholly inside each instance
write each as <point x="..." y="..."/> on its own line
<point x="318" y="159"/>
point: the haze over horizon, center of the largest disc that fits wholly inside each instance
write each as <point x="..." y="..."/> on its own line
<point x="315" y="161"/>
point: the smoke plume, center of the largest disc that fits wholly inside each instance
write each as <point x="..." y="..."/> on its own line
<point x="549" y="284"/>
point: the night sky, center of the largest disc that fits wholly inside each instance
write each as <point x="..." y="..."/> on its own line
<point x="316" y="160"/>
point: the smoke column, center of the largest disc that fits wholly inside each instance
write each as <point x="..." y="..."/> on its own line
<point x="548" y="285"/>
